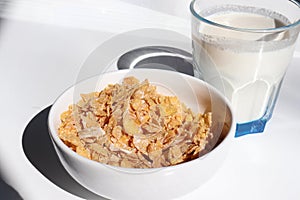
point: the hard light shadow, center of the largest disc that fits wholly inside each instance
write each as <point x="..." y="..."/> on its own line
<point x="8" y="192"/>
<point x="40" y="152"/>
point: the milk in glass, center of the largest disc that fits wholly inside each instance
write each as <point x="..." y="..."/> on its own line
<point x="247" y="66"/>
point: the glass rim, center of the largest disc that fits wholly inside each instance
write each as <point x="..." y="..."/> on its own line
<point x="250" y="30"/>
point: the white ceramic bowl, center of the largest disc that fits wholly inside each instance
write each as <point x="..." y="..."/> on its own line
<point x="158" y="183"/>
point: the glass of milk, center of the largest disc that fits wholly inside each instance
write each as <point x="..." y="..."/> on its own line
<point x="243" y="48"/>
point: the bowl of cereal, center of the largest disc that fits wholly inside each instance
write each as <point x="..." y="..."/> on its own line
<point x="141" y="133"/>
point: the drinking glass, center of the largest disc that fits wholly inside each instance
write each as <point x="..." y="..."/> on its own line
<point x="243" y="48"/>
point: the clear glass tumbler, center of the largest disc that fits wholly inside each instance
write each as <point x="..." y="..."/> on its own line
<point x="243" y="48"/>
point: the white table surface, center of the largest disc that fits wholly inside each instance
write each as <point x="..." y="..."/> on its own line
<point x="40" y="56"/>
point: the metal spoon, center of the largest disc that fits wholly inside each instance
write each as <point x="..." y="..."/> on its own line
<point x="157" y="57"/>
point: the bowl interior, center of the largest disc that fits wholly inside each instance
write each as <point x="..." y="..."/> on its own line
<point x="194" y="93"/>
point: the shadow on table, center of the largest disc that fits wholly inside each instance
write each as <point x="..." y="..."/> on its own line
<point x="4" y="6"/>
<point x="7" y="192"/>
<point x="40" y="152"/>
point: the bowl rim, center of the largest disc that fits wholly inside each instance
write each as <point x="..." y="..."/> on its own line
<point x="55" y="138"/>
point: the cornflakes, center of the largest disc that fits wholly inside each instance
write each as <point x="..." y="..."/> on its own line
<point x="131" y="125"/>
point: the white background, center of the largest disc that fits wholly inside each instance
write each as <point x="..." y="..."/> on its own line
<point x="42" y="47"/>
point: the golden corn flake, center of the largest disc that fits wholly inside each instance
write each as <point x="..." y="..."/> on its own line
<point x="131" y="125"/>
